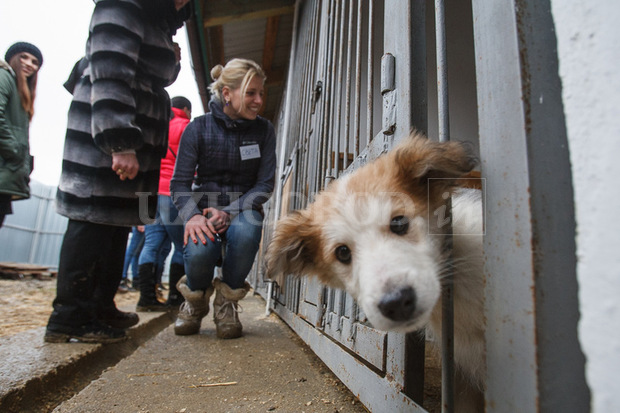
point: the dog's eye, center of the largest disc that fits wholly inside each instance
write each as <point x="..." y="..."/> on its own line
<point x="399" y="225"/>
<point x="343" y="254"/>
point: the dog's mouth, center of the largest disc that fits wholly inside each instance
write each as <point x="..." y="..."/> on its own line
<point x="416" y="322"/>
<point x="397" y="310"/>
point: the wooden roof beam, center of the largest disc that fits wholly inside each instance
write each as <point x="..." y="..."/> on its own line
<point x="269" y="47"/>
<point x="216" y="13"/>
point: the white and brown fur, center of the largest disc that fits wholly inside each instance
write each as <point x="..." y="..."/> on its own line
<point x="352" y="237"/>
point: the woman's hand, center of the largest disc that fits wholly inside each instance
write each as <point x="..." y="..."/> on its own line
<point x="196" y="228"/>
<point x="125" y="165"/>
<point x="219" y="220"/>
<point x="211" y="223"/>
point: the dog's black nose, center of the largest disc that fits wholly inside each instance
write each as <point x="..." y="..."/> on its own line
<point x="398" y="305"/>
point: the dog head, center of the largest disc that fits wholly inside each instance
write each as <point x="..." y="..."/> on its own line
<point x="374" y="232"/>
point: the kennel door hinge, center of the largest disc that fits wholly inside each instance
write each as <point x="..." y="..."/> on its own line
<point x="388" y="91"/>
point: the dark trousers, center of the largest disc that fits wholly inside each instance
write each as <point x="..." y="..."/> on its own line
<point x="5" y="207"/>
<point x="89" y="272"/>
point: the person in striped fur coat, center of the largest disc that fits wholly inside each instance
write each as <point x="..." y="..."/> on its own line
<point x="116" y="136"/>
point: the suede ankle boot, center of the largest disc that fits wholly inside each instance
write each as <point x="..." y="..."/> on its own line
<point x="193" y="309"/>
<point x="226" y="309"/>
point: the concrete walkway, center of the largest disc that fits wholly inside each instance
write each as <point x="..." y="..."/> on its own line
<point x="267" y="370"/>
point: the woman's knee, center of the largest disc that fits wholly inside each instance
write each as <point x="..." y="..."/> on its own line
<point x="247" y="228"/>
<point x="201" y="253"/>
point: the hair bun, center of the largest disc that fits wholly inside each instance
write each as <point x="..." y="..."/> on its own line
<point x="216" y="72"/>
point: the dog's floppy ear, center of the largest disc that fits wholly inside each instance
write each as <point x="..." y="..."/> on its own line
<point x="420" y="158"/>
<point x="294" y="247"/>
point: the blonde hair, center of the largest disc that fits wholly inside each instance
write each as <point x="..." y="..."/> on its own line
<point x="236" y="74"/>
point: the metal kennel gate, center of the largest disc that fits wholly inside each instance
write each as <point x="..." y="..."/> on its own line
<point x="337" y="118"/>
<point x="361" y="75"/>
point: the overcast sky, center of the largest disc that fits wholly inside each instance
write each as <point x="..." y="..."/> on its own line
<point x="60" y="29"/>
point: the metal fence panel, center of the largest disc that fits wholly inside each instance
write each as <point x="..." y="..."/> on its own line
<point x="533" y="358"/>
<point x="33" y="233"/>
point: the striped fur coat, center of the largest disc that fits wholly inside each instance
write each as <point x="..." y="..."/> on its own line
<point x="119" y="104"/>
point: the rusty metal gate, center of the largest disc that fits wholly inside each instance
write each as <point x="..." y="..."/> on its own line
<point x="362" y="74"/>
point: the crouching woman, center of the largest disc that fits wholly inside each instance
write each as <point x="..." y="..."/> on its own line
<point x="229" y="157"/>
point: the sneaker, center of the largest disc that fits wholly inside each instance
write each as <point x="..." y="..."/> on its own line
<point x="115" y="318"/>
<point x="93" y="332"/>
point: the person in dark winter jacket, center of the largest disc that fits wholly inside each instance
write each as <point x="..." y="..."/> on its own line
<point x="166" y="227"/>
<point x="116" y="136"/>
<point x="232" y="152"/>
<point x="18" y="83"/>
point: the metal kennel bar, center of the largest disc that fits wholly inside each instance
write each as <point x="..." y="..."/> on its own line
<point x="347" y="122"/>
<point x="447" y="293"/>
<point x="358" y="79"/>
<point x="340" y="75"/>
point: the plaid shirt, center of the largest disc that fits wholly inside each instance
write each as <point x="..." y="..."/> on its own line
<point x="210" y="171"/>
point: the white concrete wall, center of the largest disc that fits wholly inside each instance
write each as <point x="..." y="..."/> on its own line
<point x="588" y="47"/>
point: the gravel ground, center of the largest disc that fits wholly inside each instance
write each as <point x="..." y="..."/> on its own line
<point x="27" y="303"/>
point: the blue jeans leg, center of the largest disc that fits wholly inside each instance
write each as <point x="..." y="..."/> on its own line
<point x="241" y="242"/>
<point x="133" y="252"/>
<point x="200" y="263"/>
<point x="154" y="238"/>
<point x="174" y="227"/>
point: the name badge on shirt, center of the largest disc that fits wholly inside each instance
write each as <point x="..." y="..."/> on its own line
<point x="249" y="152"/>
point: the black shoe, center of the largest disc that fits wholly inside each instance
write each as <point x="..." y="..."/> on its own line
<point x="94" y="332"/>
<point x="118" y="319"/>
<point x="148" y="305"/>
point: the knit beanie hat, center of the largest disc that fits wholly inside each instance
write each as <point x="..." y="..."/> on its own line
<point x="20" y="47"/>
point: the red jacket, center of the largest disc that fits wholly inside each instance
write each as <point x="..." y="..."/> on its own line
<point x="177" y="126"/>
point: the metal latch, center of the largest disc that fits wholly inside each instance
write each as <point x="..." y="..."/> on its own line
<point x="316" y="95"/>
<point x="388" y="86"/>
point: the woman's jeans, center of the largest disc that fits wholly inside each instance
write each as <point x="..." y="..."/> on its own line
<point x="241" y="242"/>
<point x="157" y="236"/>
<point x="133" y="253"/>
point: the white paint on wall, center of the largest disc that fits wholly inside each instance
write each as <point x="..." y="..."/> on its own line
<point x="589" y="53"/>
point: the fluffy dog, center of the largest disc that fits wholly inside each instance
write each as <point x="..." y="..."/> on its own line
<point x="380" y="234"/>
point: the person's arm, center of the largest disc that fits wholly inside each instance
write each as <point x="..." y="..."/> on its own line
<point x="8" y="142"/>
<point x="116" y="33"/>
<point x="197" y="226"/>
<point x="184" y="170"/>
<point x="265" y="179"/>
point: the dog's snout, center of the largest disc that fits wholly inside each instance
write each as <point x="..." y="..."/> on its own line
<point x="398" y="305"/>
